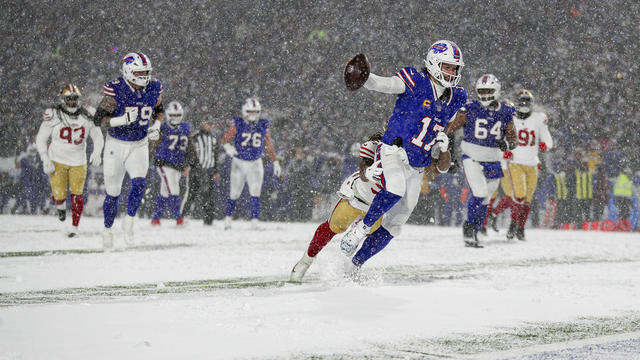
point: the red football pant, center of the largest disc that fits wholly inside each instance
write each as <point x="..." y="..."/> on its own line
<point x="321" y="238"/>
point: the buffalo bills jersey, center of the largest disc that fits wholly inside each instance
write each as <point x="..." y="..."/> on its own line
<point x="483" y="129"/>
<point x="173" y="147"/>
<point x="419" y="115"/>
<point x="127" y="97"/>
<point x="250" y="137"/>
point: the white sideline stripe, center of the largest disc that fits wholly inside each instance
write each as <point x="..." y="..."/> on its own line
<point x="531" y="350"/>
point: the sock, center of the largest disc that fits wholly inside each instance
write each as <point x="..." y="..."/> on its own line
<point x="516" y="210"/>
<point x="135" y="196"/>
<point x="254" y="206"/>
<point x="372" y="245"/>
<point x="60" y="204"/>
<point x="489" y="209"/>
<point x="110" y="209"/>
<point x="159" y="209"/>
<point x="524" y="214"/>
<point x="504" y="203"/>
<point x="230" y="208"/>
<point x="382" y="202"/>
<point x="174" y="205"/>
<point x="474" y="209"/>
<point x="77" y="204"/>
<point x="323" y="235"/>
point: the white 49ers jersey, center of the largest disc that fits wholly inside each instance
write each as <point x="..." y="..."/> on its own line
<point x="361" y="193"/>
<point x="531" y="132"/>
<point x="68" y="136"/>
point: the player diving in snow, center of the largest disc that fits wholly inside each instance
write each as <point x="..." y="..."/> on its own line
<point x="488" y="130"/>
<point x="356" y="194"/>
<point x="129" y="104"/>
<point x="426" y="101"/>
<point x="65" y="159"/>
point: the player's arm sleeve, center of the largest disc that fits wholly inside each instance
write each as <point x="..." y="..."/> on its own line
<point x="44" y="132"/>
<point x="387" y="85"/>
<point x="545" y="135"/>
<point x="97" y="138"/>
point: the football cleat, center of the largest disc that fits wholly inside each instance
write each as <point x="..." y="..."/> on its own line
<point x="512" y="230"/>
<point x="62" y="214"/>
<point x="155" y="222"/>
<point x="227" y="223"/>
<point x="300" y="268"/>
<point x="179" y="221"/>
<point x="520" y="233"/>
<point x="254" y="224"/>
<point x="483" y="231"/>
<point x="470" y="236"/>
<point x="493" y="222"/>
<point x="73" y="232"/>
<point x="107" y="239"/>
<point x="356" y="232"/>
<point x="128" y="230"/>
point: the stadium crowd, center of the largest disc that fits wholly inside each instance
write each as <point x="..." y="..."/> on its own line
<point x="578" y="58"/>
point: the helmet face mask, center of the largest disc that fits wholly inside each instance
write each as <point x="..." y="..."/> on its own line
<point x="251" y="109"/>
<point x="524" y="101"/>
<point x="488" y="89"/>
<point x="444" y="52"/>
<point x="136" y="69"/>
<point x="70" y="98"/>
<point x="175" y="113"/>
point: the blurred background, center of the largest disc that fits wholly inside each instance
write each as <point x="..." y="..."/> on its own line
<point x="579" y="59"/>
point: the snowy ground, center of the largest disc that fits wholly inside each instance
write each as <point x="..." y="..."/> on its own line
<point x="202" y="293"/>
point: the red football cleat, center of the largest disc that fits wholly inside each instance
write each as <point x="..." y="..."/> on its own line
<point x="155" y="222"/>
<point x="179" y="221"/>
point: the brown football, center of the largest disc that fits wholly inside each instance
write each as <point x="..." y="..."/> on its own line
<point x="356" y="72"/>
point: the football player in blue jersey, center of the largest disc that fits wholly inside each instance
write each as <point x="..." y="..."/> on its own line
<point x="250" y="136"/>
<point x="427" y="100"/>
<point x="170" y="161"/>
<point x="488" y="131"/>
<point x="130" y="103"/>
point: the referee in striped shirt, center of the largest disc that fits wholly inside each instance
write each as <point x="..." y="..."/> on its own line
<point x="204" y="173"/>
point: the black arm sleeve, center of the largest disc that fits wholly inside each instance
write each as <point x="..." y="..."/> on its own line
<point x="158" y="109"/>
<point x="99" y="115"/>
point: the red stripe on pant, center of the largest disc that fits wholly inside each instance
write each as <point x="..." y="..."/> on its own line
<point x="77" y="204"/>
<point x="320" y="239"/>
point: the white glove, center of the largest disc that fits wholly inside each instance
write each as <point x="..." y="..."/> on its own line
<point x="373" y="172"/>
<point x="47" y="165"/>
<point x="400" y="152"/>
<point x="130" y="116"/>
<point x="277" y="170"/>
<point x="443" y="141"/>
<point x="95" y="159"/>
<point x="231" y="151"/>
<point x="153" y="133"/>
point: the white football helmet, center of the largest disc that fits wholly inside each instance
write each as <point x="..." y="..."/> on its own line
<point x="136" y="62"/>
<point x="444" y="51"/>
<point x="175" y="113"/>
<point x="251" y="109"/>
<point x="488" y="89"/>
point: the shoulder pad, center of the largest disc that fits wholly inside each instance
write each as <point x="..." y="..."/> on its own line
<point x="48" y="114"/>
<point x="409" y="75"/>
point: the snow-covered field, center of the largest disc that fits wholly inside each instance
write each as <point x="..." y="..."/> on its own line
<point x="201" y="293"/>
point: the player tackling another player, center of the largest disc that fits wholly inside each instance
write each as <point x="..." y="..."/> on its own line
<point x="129" y="105"/>
<point x="65" y="159"/>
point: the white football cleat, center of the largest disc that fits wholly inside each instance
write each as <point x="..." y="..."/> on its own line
<point x="227" y="222"/>
<point x="127" y="225"/>
<point x="356" y="232"/>
<point x="107" y="239"/>
<point x="72" y="231"/>
<point x="254" y="224"/>
<point x="299" y="269"/>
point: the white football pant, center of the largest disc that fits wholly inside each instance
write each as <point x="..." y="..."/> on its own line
<point x="250" y="172"/>
<point x="169" y="180"/>
<point x="401" y="179"/>
<point x="120" y="156"/>
<point x="480" y="186"/>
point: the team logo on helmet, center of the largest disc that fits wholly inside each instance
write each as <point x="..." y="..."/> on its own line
<point x="439" y="48"/>
<point x="128" y="60"/>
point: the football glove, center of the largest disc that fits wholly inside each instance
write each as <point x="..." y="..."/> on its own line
<point x="230" y="150"/>
<point x="443" y="141"/>
<point x="373" y="172"/>
<point x="507" y="155"/>
<point x="47" y="166"/>
<point x="153" y="133"/>
<point x="277" y="170"/>
<point x="543" y="146"/>
<point x="95" y="159"/>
